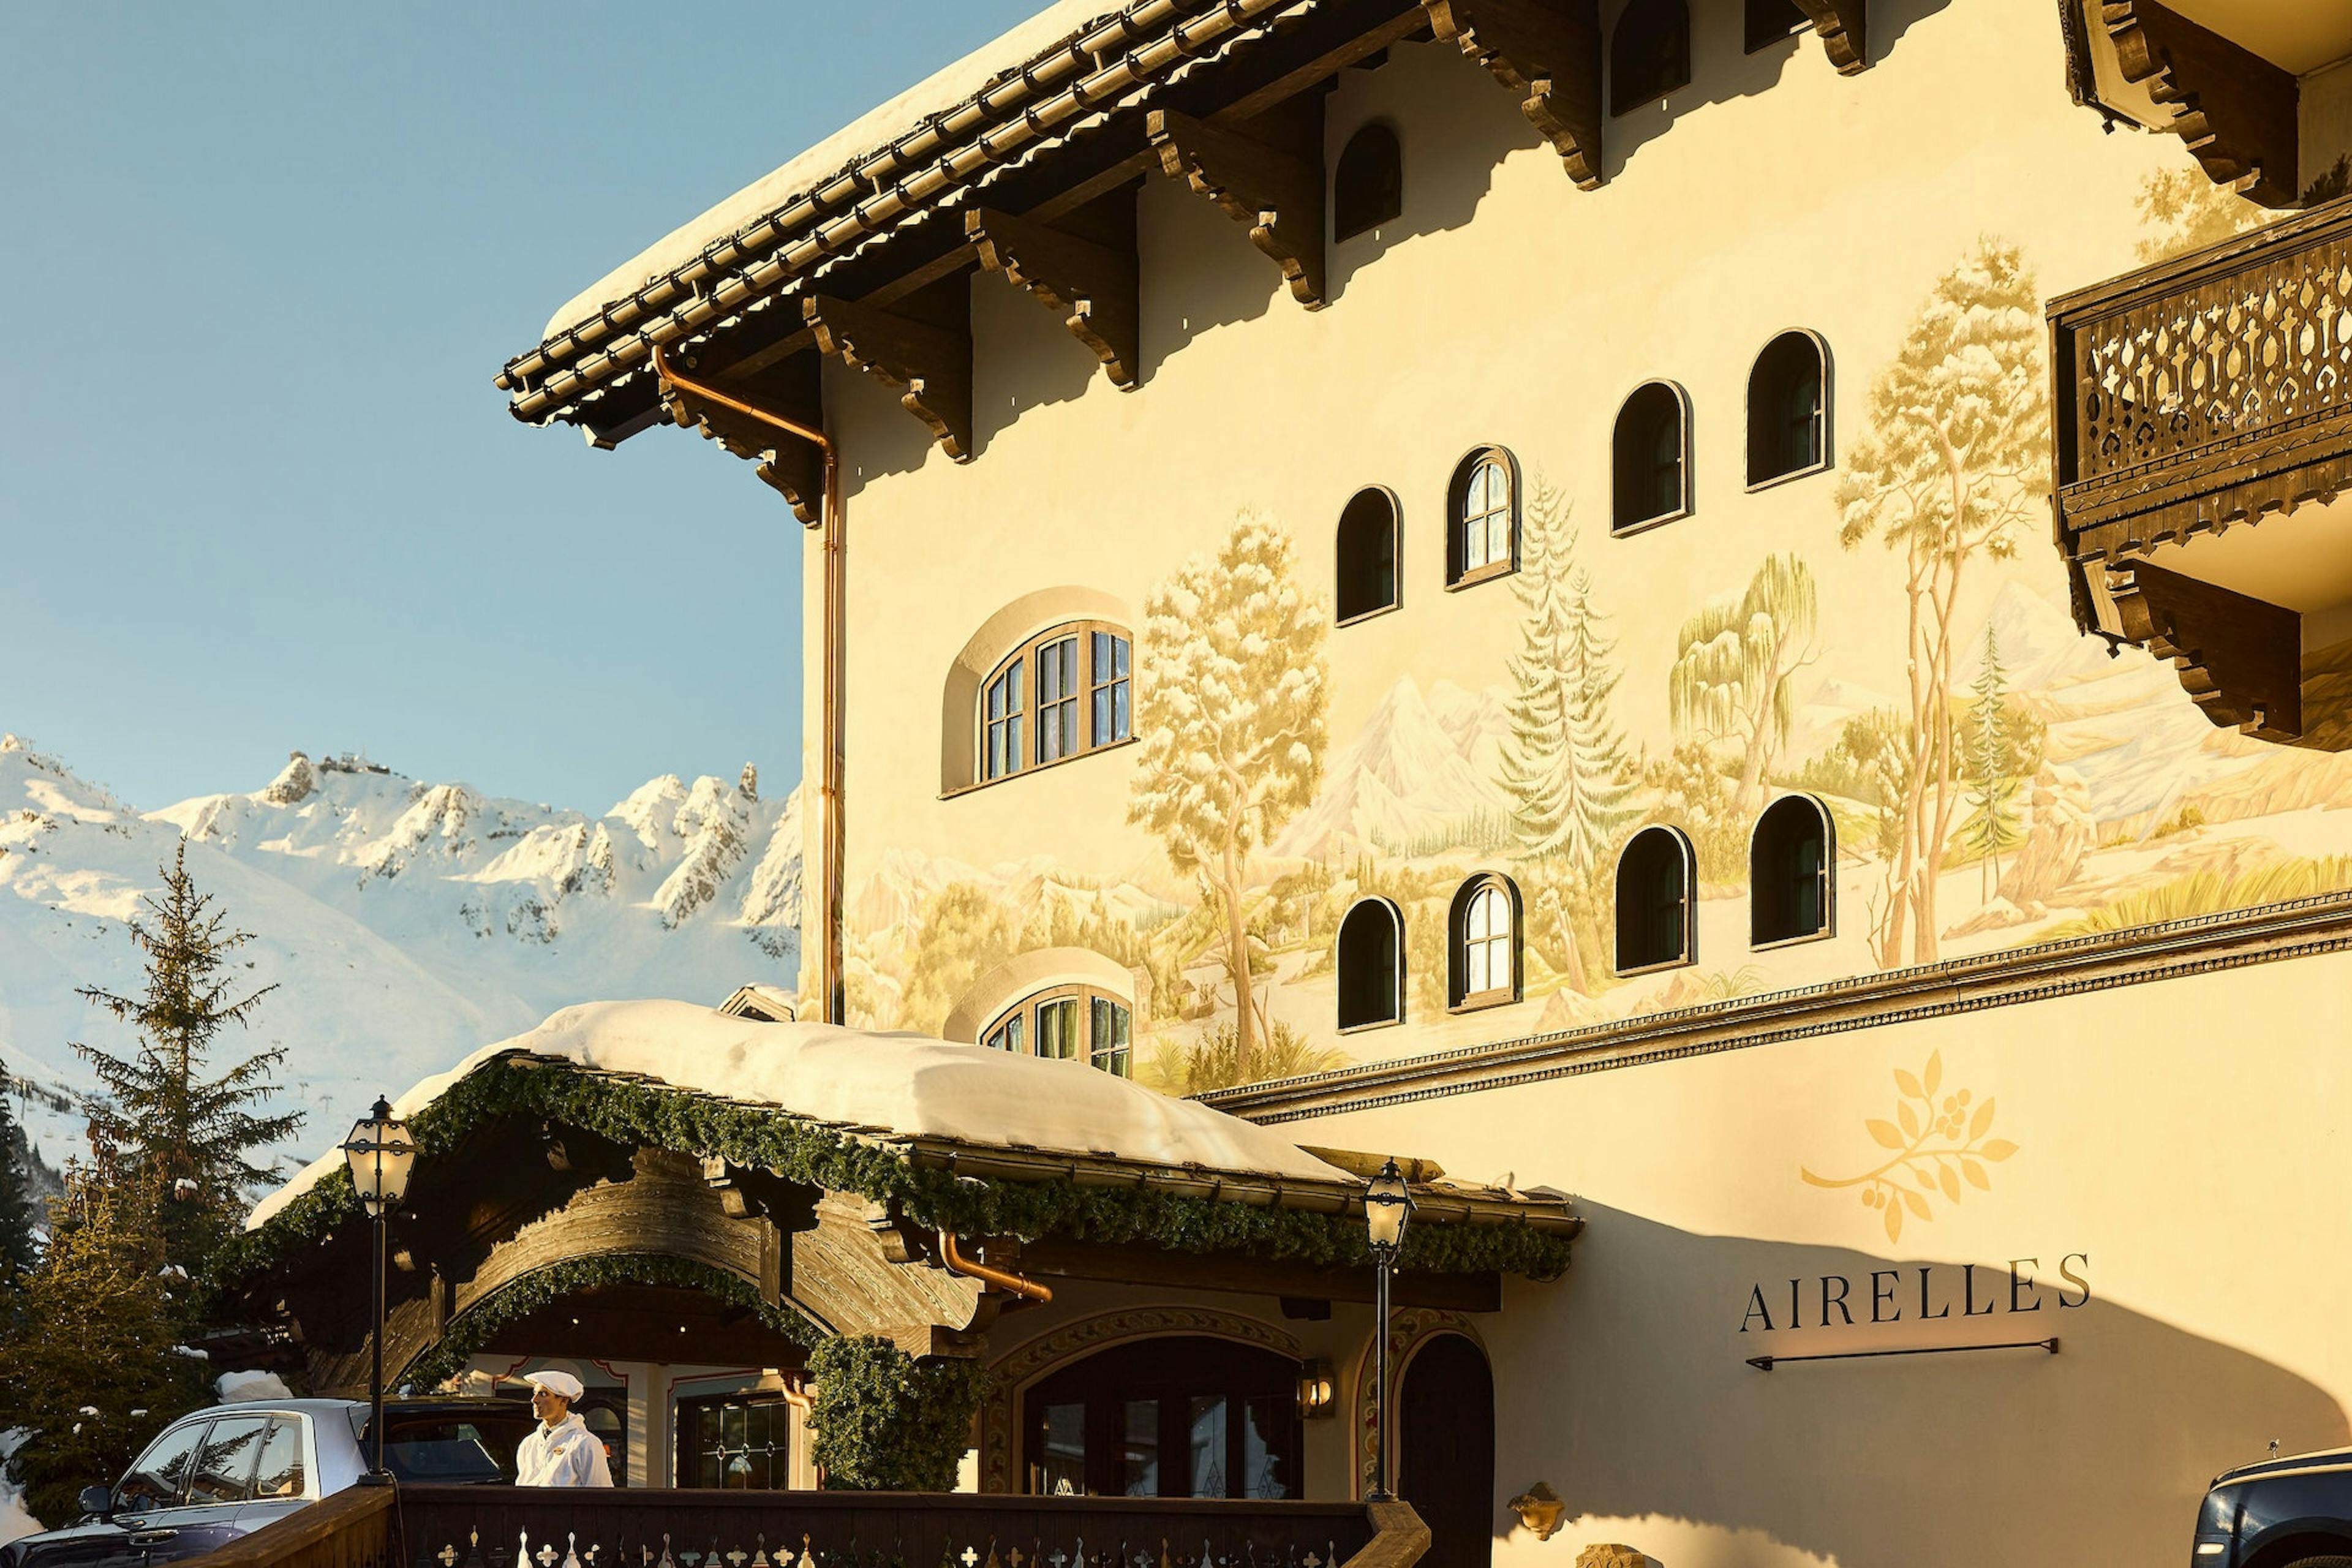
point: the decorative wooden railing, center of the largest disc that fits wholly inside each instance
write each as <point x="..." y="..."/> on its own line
<point x="2206" y="389"/>
<point x="514" y="1527"/>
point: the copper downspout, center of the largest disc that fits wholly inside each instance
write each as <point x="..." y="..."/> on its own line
<point x="829" y="524"/>
<point x="958" y="1264"/>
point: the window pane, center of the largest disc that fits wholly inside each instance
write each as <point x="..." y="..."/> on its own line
<point x="1139" y="1449"/>
<point x="1111" y="1024"/>
<point x="1007" y="1036"/>
<point x="224" y="1470"/>
<point x="1057" y="1028"/>
<point x="1062" y="1471"/>
<point x="161" y="1474"/>
<point x="1208" y="1441"/>
<point x="1473" y="978"/>
<point x="1263" y="1428"/>
<point x="279" y="1473"/>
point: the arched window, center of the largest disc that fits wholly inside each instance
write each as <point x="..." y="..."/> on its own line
<point x="1367" y="555"/>
<point x="1068" y="1024"/>
<point x="1367" y="187"/>
<point x="1065" y="692"/>
<point x="1650" y="458"/>
<point x="1371" y="961"/>
<point x="1791" y="865"/>
<point x="1485" y="948"/>
<point x="1482" y="504"/>
<point x="1770" y="21"/>
<point x="1170" y="1416"/>
<point x="1655" y="912"/>
<point x="1788" y="429"/>
<point x="1649" y="55"/>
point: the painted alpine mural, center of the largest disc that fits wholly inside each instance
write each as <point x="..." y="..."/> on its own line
<point x="1999" y="780"/>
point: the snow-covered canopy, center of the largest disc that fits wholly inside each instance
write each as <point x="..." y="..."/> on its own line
<point x="886" y="1084"/>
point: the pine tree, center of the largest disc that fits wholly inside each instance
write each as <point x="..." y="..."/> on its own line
<point x="1565" y="764"/>
<point x="18" y="1252"/>
<point x="95" y="1328"/>
<point x="188" y="1135"/>
<point x="1992" y="788"/>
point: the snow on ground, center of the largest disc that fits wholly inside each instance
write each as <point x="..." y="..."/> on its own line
<point x="905" y="1084"/>
<point x="15" y="1522"/>
<point x="402" y="922"/>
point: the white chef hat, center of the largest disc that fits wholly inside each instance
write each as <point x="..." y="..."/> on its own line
<point x="562" y="1384"/>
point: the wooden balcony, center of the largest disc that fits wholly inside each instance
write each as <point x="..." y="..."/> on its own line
<point x="2200" y="401"/>
<point x="525" y="1527"/>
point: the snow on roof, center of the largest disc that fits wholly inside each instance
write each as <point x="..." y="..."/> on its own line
<point x="869" y="133"/>
<point x="905" y="1084"/>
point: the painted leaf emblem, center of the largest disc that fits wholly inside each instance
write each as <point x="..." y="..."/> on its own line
<point x="1999" y="1149"/>
<point x="1981" y="1122"/>
<point x="1886" y="1132"/>
<point x="1934" y="1071"/>
<point x="1909" y="1118"/>
<point x="1976" y="1175"/>
<point x="1893" y="1222"/>
<point x="1950" y="1183"/>
<point x="1908" y="1082"/>
<point x="1915" y="1203"/>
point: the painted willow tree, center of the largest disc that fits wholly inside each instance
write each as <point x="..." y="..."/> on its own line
<point x="1730" y="680"/>
<point x="1564" y="764"/>
<point x="1231" y="693"/>
<point x="1956" y="459"/>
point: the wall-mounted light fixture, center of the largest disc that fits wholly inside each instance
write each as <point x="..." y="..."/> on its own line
<point x="1315" y="1389"/>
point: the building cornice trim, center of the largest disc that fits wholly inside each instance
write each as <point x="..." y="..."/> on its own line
<point x="2104" y="961"/>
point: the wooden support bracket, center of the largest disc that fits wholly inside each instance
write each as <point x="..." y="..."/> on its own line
<point x="2235" y="109"/>
<point x="793" y="467"/>
<point x="930" y="362"/>
<point x="1278" y="193"/>
<point x="2239" y="658"/>
<point x="1094" y="286"/>
<point x="1547" y="52"/>
<point x="1844" y="28"/>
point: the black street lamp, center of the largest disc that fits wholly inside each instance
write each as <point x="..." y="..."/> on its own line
<point x="381" y="1157"/>
<point x="1388" y="1205"/>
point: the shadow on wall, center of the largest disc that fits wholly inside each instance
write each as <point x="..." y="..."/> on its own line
<point x="1722" y="70"/>
<point x="1626" y="1387"/>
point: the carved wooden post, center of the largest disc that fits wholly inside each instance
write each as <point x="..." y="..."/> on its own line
<point x="1547" y="52"/>
<point x="1093" y="285"/>
<point x="931" y="363"/>
<point x="1278" y="193"/>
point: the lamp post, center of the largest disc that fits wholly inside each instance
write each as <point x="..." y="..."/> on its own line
<point x="1388" y="1205"/>
<point x="381" y="1157"/>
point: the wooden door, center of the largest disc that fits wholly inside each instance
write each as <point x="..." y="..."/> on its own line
<point x="1445" y="1453"/>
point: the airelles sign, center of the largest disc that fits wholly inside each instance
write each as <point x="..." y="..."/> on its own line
<point x="1912" y="1294"/>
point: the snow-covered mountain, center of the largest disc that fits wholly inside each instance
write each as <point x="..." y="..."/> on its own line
<point x="404" y="922"/>
<point x="1421" y="765"/>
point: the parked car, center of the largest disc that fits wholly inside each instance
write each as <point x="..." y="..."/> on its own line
<point x="2291" y="1512"/>
<point x="220" y="1473"/>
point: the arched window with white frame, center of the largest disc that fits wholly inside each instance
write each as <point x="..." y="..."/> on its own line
<point x="1483" y="970"/>
<point x="1483" y="513"/>
<point x="1070" y="1024"/>
<point x="1065" y="692"/>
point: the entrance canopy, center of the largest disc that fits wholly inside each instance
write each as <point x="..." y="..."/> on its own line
<point x="804" y="1180"/>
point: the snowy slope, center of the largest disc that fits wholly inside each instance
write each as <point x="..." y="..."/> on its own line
<point x="1413" y="769"/>
<point x="404" y="922"/>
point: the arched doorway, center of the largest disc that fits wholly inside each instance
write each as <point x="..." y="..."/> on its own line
<point x="1182" y="1416"/>
<point x="1446" y="1450"/>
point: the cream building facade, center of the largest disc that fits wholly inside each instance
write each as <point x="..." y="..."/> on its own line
<point x="1737" y="611"/>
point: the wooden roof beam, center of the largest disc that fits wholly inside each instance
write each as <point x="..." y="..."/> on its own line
<point x="1547" y="52"/>
<point x="1844" y="28"/>
<point x="2236" y="111"/>
<point x="1276" y="191"/>
<point x="1093" y="286"/>
<point x="791" y="467"/>
<point x="929" y="361"/>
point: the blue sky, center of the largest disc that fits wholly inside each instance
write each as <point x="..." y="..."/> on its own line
<point x="257" y="491"/>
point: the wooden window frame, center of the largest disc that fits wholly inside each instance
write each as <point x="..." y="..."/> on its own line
<point x="1827" y="874"/>
<point x="1824" y="457"/>
<point x="1170" y="1370"/>
<point x="1457" y="496"/>
<point x="684" y="1408"/>
<point x="1396" y="976"/>
<point x="1085" y="997"/>
<point x="1459" y="997"/>
<point x="1687" y="859"/>
<point x="1082" y="691"/>
<point x="1684" y="505"/>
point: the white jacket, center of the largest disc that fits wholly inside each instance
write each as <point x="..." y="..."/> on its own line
<point x="564" y="1455"/>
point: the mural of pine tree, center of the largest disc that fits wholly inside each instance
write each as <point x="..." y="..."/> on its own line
<point x="1564" y="765"/>
<point x="1995" y="827"/>
<point x="188" y="1133"/>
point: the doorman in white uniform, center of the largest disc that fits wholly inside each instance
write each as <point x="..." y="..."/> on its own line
<point x="561" y="1452"/>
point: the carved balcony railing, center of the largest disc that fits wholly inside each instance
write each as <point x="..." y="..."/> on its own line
<point x="2204" y="393"/>
<point x="518" y="1526"/>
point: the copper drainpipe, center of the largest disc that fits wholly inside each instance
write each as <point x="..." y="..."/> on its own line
<point x="829" y="522"/>
<point x="958" y="1264"/>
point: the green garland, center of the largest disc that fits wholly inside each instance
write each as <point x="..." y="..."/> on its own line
<point x="647" y="1114"/>
<point x="472" y="1328"/>
<point x="884" y="1421"/>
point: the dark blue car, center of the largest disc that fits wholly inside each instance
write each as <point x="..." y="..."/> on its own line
<point x="2294" y="1513"/>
